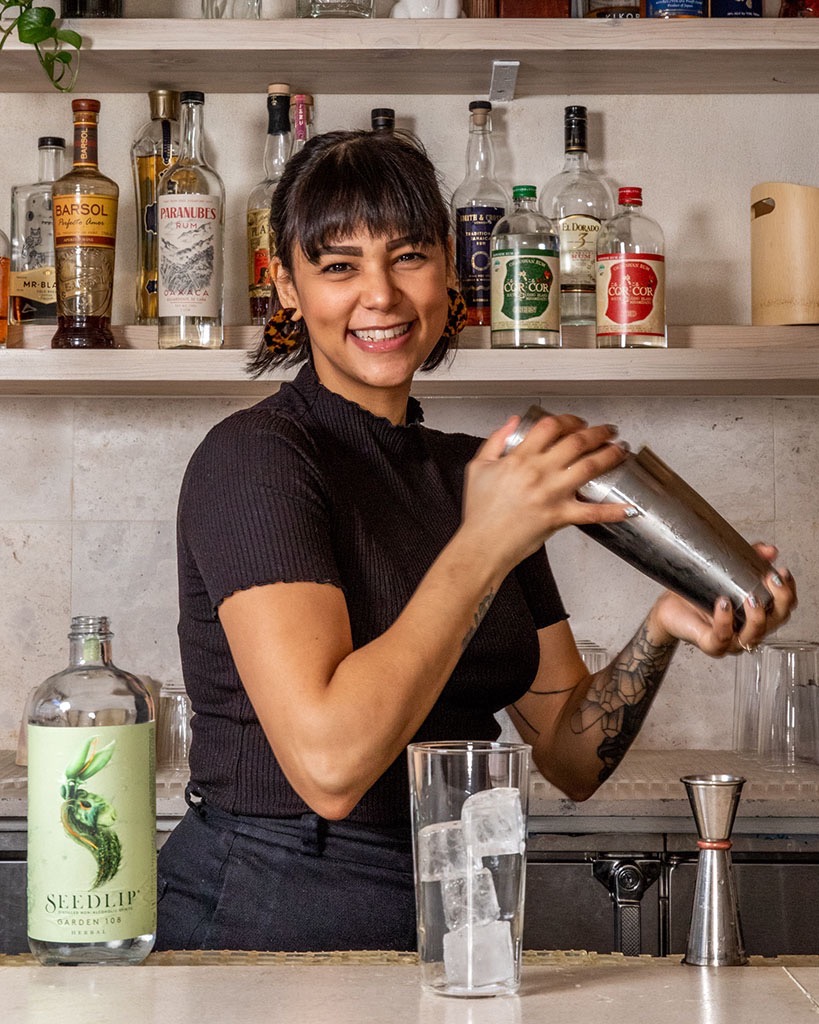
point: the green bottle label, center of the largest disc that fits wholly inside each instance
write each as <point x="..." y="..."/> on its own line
<point x="91" y="833"/>
<point x="522" y="293"/>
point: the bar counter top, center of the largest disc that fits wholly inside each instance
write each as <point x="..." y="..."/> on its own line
<point x="384" y="988"/>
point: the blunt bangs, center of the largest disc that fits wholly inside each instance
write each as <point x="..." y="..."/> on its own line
<point x="384" y="185"/>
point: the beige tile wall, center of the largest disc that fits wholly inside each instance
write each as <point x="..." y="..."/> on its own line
<point x="88" y="486"/>
<point x="87" y="527"/>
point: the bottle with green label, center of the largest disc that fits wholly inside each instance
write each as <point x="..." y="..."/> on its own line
<point x="525" y="277"/>
<point x="91" y="809"/>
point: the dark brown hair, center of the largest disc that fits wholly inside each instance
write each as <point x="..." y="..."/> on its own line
<point x="342" y="182"/>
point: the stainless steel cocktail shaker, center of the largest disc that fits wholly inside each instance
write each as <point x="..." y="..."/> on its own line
<point x="677" y="538"/>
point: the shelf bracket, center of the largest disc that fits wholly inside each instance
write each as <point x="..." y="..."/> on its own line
<point x="503" y="81"/>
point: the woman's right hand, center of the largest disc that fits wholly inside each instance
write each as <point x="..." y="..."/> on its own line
<point x="520" y="499"/>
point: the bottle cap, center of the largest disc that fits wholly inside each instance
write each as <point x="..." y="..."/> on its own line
<point x="164" y="104"/>
<point x="278" y="89"/>
<point x="575" y="113"/>
<point x="50" y="142"/>
<point x="630" y="195"/>
<point x="382" y="118"/>
<point x="480" y="105"/>
<point x="524" y="192"/>
<point x="92" y="105"/>
<point x="192" y="97"/>
<point x="301" y="97"/>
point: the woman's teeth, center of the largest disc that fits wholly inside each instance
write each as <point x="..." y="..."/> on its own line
<point x="377" y="335"/>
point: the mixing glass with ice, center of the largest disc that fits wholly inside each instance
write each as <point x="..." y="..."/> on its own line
<point x="469" y="802"/>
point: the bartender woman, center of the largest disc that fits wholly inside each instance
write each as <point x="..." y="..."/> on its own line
<point x="351" y="580"/>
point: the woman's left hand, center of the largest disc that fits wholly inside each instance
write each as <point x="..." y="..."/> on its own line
<point x="714" y="634"/>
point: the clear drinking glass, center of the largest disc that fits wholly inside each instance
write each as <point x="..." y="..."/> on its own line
<point x="231" y="8"/>
<point x="334" y="8"/>
<point x="788" y="673"/>
<point x="747" y="673"/>
<point x="469" y="803"/>
<point x="594" y="656"/>
<point x="173" y="733"/>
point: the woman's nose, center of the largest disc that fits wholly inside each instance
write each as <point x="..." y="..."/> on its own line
<point x="378" y="290"/>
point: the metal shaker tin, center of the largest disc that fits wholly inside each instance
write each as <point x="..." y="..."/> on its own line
<point x="677" y="538"/>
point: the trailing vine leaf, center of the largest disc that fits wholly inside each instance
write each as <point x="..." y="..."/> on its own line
<point x="58" y="50"/>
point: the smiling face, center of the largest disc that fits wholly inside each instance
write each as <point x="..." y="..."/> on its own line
<point x="375" y="307"/>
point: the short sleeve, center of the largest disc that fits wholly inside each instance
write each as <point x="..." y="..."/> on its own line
<point x="253" y="508"/>
<point x="540" y="590"/>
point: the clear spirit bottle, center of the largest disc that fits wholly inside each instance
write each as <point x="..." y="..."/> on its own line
<point x="578" y="201"/>
<point x="191" y="208"/>
<point x="525" y="277"/>
<point x="154" y="150"/>
<point x="631" y="278"/>
<point x="260" y="243"/>
<point x="32" y="285"/>
<point x="5" y="262"/>
<point x="301" y="120"/>
<point x="85" y="233"/>
<point x="478" y="204"/>
<point x="91" y="809"/>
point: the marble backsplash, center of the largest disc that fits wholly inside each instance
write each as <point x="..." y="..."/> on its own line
<point x="89" y="490"/>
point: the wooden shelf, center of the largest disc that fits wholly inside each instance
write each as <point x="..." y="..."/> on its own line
<point x="557" y="56"/>
<point x="702" y="360"/>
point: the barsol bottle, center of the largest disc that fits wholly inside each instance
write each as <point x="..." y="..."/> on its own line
<point x="91" y="809"/>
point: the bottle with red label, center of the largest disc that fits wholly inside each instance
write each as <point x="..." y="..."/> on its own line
<point x="631" y="278"/>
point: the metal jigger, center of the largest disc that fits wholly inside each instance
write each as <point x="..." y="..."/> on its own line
<point x="715" y="933"/>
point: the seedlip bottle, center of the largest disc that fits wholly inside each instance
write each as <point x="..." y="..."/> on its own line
<point x="91" y="809"/>
<point x="525" y="281"/>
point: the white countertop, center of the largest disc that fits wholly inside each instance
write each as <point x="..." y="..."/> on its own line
<point x="557" y="989"/>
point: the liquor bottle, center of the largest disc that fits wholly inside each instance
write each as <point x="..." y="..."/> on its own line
<point x="631" y="278"/>
<point x="301" y="119"/>
<point x="191" y="207"/>
<point x="525" y="277"/>
<point x="382" y="119"/>
<point x="260" y="243"/>
<point x="154" y="150"/>
<point x="91" y="809"/>
<point x="577" y="200"/>
<point x="612" y="9"/>
<point x="4" y="289"/>
<point x="32" y="284"/>
<point x="478" y="204"/>
<point x="676" y="8"/>
<point x="85" y="229"/>
<point x="91" y="8"/>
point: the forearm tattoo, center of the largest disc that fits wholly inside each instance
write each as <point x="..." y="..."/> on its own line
<point x="477" y="618"/>
<point x="620" y="696"/>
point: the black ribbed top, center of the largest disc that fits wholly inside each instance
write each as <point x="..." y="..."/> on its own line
<point x="306" y="486"/>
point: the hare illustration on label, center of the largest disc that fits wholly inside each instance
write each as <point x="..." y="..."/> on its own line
<point x="87" y="817"/>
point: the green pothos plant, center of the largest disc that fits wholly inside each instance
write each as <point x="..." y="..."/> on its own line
<point x="57" y="49"/>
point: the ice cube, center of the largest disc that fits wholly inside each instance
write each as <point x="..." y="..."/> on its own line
<point x="479" y="954"/>
<point x="493" y="822"/>
<point x="470" y="898"/>
<point x="442" y="852"/>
